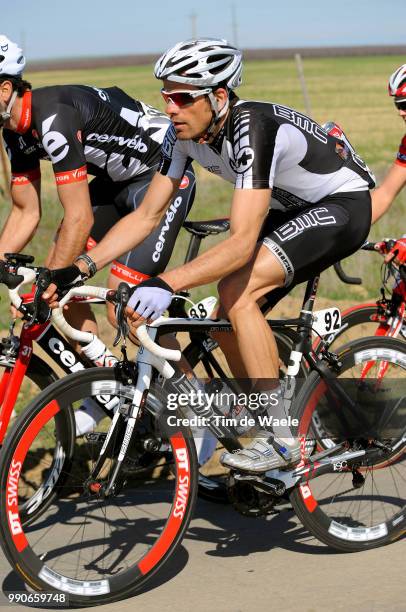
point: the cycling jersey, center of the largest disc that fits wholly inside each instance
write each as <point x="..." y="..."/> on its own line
<point x="264" y="145"/>
<point x="401" y="156"/>
<point x="112" y="201"/>
<point x="84" y="129"/>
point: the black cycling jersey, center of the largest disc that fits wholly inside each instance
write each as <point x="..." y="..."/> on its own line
<point x="107" y="133"/>
<point x="79" y="129"/>
<point x="270" y="146"/>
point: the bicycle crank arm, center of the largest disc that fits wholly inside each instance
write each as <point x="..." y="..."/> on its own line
<point x="276" y="482"/>
<point x="273" y="486"/>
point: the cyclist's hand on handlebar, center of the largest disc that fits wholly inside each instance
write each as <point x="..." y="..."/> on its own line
<point x="148" y="301"/>
<point x="15" y="314"/>
<point x="59" y="281"/>
<point x="397" y="253"/>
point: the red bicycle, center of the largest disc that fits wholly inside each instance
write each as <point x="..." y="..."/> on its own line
<point x="384" y="317"/>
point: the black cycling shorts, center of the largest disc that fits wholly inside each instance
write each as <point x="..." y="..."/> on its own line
<point x="112" y="201"/>
<point x="310" y="240"/>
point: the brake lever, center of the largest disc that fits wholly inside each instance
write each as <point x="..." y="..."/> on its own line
<point x="122" y="297"/>
<point x="42" y="283"/>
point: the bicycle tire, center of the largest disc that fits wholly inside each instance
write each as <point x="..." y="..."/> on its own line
<point x="328" y="518"/>
<point x="38" y="499"/>
<point x="39" y="555"/>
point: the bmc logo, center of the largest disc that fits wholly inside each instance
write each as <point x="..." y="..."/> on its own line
<point x="55" y="143"/>
<point x="312" y="218"/>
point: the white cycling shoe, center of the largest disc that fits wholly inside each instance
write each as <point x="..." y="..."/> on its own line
<point x="264" y="453"/>
<point x="88" y="416"/>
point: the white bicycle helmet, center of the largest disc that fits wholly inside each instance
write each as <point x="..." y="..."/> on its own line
<point x="12" y="60"/>
<point x="204" y="62"/>
<point x="397" y="83"/>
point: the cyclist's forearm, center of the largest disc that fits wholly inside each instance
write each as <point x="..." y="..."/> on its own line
<point x="71" y="241"/>
<point x="125" y="235"/>
<point x="18" y="230"/>
<point x="216" y="263"/>
<point x="381" y="202"/>
<point x="132" y="229"/>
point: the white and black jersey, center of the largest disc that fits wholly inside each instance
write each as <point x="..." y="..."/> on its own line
<point x="270" y="146"/>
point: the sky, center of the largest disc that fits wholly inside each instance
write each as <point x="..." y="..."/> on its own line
<point x="50" y="29"/>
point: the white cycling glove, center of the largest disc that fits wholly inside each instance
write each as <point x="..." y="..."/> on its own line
<point x="151" y="298"/>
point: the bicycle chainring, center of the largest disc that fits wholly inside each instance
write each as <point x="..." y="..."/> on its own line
<point x="248" y="500"/>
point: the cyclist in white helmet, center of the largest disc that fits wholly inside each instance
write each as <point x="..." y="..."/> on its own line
<point x="395" y="180"/>
<point x="12" y="64"/>
<point x="264" y="150"/>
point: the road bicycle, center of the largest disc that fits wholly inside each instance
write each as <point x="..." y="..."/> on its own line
<point x="128" y="497"/>
<point x="386" y="316"/>
<point x="25" y="372"/>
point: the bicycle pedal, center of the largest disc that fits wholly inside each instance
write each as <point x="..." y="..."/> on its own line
<point x="269" y="485"/>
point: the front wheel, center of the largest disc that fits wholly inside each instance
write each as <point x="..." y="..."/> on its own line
<point x="92" y="546"/>
<point x="357" y="508"/>
<point x="42" y="473"/>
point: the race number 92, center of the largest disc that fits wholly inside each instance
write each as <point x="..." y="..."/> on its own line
<point x="326" y="321"/>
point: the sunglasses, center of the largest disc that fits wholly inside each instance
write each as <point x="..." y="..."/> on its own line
<point x="400" y="104"/>
<point x="183" y="97"/>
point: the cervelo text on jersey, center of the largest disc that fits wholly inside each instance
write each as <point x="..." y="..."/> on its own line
<point x="169" y="217"/>
<point x="270" y="146"/>
<point x="77" y="126"/>
<point x="132" y="143"/>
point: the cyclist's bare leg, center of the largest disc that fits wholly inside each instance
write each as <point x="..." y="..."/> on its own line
<point x="239" y="295"/>
<point x="229" y="345"/>
<point x="240" y="292"/>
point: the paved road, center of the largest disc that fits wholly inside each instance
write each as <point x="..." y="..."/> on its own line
<point x="232" y="564"/>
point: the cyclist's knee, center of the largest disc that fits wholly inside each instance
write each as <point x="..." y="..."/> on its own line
<point x="233" y="296"/>
<point x="228" y="293"/>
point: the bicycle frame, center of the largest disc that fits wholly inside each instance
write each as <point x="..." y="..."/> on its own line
<point x="57" y="349"/>
<point x="276" y="481"/>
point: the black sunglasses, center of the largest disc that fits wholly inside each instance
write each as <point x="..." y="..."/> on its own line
<point x="400" y="104"/>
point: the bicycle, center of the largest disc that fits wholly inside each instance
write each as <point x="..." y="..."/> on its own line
<point x="386" y="316"/>
<point x="145" y="503"/>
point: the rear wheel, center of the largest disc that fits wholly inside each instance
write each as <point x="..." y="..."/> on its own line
<point x="95" y="547"/>
<point x="356" y="508"/>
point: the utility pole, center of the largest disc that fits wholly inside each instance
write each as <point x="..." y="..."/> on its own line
<point x="306" y="97"/>
<point x="193" y="22"/>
